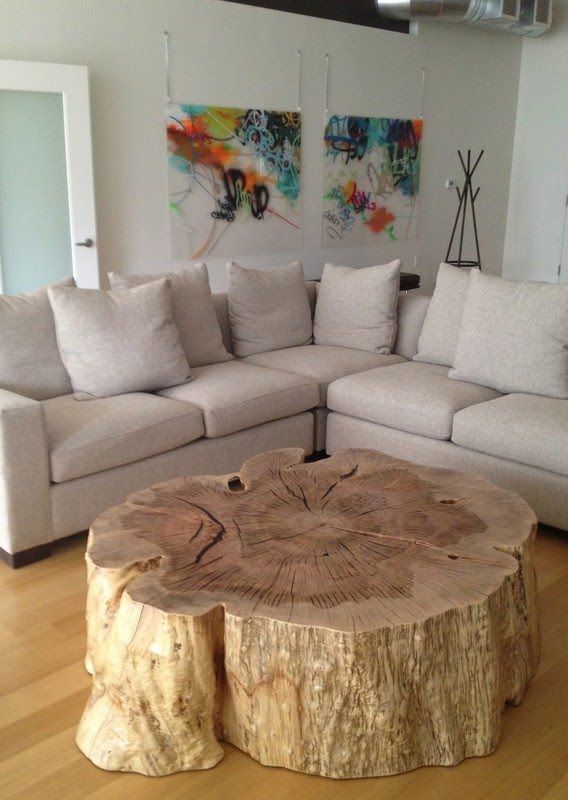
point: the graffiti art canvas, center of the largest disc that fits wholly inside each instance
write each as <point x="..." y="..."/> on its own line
<point x="234" y="180"/>
<point x="371" y="179"/>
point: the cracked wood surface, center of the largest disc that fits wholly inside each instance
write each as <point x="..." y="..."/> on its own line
<point x="350" y="617"/>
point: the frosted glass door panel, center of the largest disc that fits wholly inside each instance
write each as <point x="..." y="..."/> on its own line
<point x="35" y="235"/>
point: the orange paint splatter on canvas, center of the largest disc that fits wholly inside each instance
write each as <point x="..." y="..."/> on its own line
<point x="256" y="179"/>
<point x="380" y="219"/>
<point x="348" y="190"/>
<point x="195" y="128"/>
<point x="195" y="144"/>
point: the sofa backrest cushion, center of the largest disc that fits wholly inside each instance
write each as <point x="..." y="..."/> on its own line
<point x="193" y="312"/>
<point x="412" y="310"/>
<point x="269" y="308"/>
<point x="221" y="305"/>
<point x="440" y="332"/>
<point x="312" y="288"/>
<point x="30" y="363"/>
<point x="120" y="341"/>
<point x="358" y="307"/>
<point x="514" y="336"/>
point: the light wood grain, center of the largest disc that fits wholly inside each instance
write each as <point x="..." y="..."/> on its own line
<point x="531" y="758"/>
<point x="353" y="617"/>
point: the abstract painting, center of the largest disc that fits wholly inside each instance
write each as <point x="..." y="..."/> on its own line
<point x="371" y="179"/>
<point x="234" y="180"/>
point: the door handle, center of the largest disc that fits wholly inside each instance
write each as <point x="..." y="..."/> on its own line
<point x="85" y="243"/>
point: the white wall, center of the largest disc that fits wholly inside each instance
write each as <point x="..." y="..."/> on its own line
<point x="539" y="177"/>
<point x="230" y="54"/>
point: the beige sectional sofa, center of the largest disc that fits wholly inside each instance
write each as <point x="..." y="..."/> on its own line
<point x="62" y="462"/>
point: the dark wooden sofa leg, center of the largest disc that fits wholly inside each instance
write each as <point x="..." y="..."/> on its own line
<point x="25" y="557"/>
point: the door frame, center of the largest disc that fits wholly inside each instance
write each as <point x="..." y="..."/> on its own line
<point x="72" y="82"/>
<point x="563" y="258"/>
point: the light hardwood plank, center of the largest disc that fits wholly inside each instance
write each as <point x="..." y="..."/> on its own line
<point x="45" y="685"/>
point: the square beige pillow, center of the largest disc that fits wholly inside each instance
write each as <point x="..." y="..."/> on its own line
<point x="441" y="329"/>
<point x="268" y="308"/>
<point x="193" y="312"/>
<point x="514" y="336"/>
<point x="358" y="307"/>
<point x="30" y="363"/>
<point x="120" y="341"/>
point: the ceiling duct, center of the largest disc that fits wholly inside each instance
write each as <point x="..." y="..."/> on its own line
<point x="523" y="17"/>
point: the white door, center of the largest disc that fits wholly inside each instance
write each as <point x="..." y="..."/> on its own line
<point x="47" y="204"/>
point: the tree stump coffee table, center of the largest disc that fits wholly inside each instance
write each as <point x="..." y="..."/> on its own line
<point x="351" y="617"/>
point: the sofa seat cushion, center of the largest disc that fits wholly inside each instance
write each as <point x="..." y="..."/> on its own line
<point x="84" y="438"/>
<point x="235" y="395"/>
<point x="323" y="363"/>
<point x="526" y="428"/>
<point x="413" y="397"/>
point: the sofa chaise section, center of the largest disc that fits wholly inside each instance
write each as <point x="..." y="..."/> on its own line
<point x="413" y="397"/>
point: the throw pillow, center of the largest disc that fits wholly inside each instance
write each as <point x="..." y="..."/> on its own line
<point x="193" y="312"/>
<point x="119" y="341"/>
<point x="514" y="336"/>
<point x="358" y="307"/>
<point x="268" y="308"/>
<point x="30" y="363"/>
<point x="440" y="332"/>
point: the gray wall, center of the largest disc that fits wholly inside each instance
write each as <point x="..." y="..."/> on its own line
<point x="230" y="54"/>
<point x="539" y="178"/>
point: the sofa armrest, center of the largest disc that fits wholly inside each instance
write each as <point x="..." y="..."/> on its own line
<point x="412" y="309"/>
<point x="25" y="513"/>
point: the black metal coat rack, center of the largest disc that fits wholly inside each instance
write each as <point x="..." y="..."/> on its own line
<point x="465" y="194"/>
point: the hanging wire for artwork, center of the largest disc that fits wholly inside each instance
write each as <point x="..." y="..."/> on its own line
<point x="299" y="81"/>
<point x="327" y="85"/>
<point x="167" y="64"/>
<point x="234" y="176"/>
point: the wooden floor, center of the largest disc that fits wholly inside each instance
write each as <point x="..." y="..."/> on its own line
<point x="43" y="688"/>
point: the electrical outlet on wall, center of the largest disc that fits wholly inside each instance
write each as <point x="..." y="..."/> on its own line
<point x="450" y="183"/>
